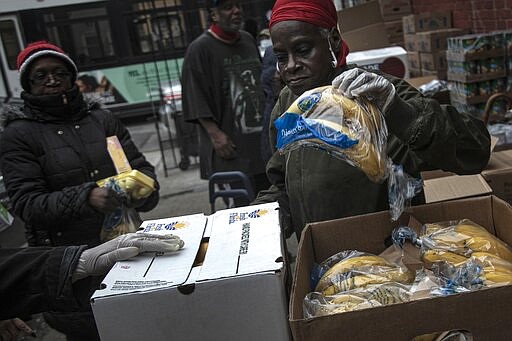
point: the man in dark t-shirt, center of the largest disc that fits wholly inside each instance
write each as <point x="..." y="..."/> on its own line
<point x="222" y="93"/>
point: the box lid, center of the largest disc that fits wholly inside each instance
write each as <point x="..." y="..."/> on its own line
<point x="500" y="161"/>
<point x="150" y="271"/>
<point x="455" y="187"/>
<point x="243" y="241"/>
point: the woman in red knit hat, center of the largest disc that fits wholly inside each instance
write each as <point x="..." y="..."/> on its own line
<point x="309" y="183"/>
<point x="53" y="150"/>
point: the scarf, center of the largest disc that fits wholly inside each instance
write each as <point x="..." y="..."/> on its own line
<point x="225" y="36"/>
<point x="59" y="107"/>
<point x="321" y="13"/>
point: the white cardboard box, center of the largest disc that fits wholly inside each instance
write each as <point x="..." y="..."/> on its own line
<point x="237" y="294"/>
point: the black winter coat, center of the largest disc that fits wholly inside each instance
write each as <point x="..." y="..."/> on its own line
<point x="39" y="279"/>
<point x="50" y="161"/>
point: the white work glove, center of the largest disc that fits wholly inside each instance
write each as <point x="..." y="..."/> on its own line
<point x="100" y="259"/>
<point x="360" y="83"/>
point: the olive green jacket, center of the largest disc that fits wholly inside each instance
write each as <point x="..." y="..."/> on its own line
<point x="311" y="185"/>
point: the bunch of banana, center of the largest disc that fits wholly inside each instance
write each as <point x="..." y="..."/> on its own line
<point x="465" y="238"/>
<point x="363" y="123"/>
<point x="346" y="265"/>
<point x="360" y="271"/>
<point x="496" y="277"/>
<point x="439" y="255"/>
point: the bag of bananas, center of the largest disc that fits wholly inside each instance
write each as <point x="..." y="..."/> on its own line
<point x="465" y="245"/>
<point x="354" y="131"/>
<point x="351" y="130"/>
<point x="373" y="295"/>
<point x="352" y="280"/>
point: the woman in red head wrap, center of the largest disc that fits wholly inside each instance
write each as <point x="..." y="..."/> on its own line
<point x="312" y="185"/>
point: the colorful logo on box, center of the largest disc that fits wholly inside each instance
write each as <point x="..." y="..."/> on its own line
<point x="175" y="225"/>
<point x="241" y="216"/>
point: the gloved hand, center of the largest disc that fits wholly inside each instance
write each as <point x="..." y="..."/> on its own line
<point x="360" y="83"/>
<point x="98" y="260"/>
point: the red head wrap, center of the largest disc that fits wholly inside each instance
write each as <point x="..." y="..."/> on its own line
<point x="321" y="13"/>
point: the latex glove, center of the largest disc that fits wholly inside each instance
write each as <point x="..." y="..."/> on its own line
<point x="100" y="259"/>
<point x="11" y="329"/>
<point x="105" y="200"/>
<point x="360" y="83"/>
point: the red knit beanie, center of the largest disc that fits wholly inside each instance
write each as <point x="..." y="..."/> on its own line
<point x="36" y="50"/>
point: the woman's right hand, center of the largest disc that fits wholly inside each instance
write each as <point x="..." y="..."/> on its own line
<point x="105" y="200"/>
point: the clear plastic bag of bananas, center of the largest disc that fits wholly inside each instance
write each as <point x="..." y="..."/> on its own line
<point x="352" y="280"/>
<point x="464" y="254"/>
<point x="372" y="295"/>
<point x="353" y="130"/>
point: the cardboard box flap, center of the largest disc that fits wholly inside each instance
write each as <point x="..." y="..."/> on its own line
<point x="356" y="17"/>
<point x="241" y="244"/>
<point x="142" y="273"/>
<point x="454" y="187"/>
<point x="499" y="161"/>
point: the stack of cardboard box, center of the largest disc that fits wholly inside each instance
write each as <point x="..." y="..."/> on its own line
<point x="392" y="13"/>
<point x="425" y="37"/>
<point x="362" y="27"/>
<point x="477" y="69"/>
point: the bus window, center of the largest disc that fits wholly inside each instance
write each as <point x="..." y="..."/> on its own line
<point x="156" y="25"/>
<point x="83" y="33"/>
<point x="10" y="42"/>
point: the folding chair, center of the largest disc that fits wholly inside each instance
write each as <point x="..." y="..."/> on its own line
<point x="226" y="178"/>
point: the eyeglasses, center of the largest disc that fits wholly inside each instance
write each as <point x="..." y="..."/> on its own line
<point x="43" y="77"/>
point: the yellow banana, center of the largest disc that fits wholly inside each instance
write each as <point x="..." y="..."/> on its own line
<point x="471" y="229"/>
<point x="497" y="277"/>
<point x="362" y="280"/>
<point x="490" y="244"/>
<point x="437" y="255"/>
<point x="388" y="293"/>
<point x="347" y="265"/>
<point x="354" y="282"/>
<point x="344" y="298"/>
<point x="493" y="262"/>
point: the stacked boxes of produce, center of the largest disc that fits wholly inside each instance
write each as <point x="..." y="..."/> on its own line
<point x="477" y="69"/>
<point x="425" y="37"/>
<point x="392" y="13"/>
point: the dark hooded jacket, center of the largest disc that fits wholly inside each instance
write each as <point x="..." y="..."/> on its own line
<point x="52" y="152"/>
<point x="39" y="279"/>
<point x="311" y="185"/>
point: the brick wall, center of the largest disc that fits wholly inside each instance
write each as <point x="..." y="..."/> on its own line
<point x="476" y="15"/>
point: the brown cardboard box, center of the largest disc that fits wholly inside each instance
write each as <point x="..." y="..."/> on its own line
<point x="394" y="30"/>
<point x="411" y="42"/>
<point x="395" y="9"/>
<point x="435" y="61"/>
<point x="419" y="81"/>
<point x="498" y="174"/>
<point x="366" y="38"/>
<point x="484" y="313"/>
<point x="440" y="74"/>
<point x="353" y="18"/>
<point x="433" y="41"/>
<point x="414" y="73"/>
<point x="426" y="21"/>
<point x="414" y="60"/>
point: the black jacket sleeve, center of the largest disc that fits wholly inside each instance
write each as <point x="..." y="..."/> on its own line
<point x="37" y="279"/>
